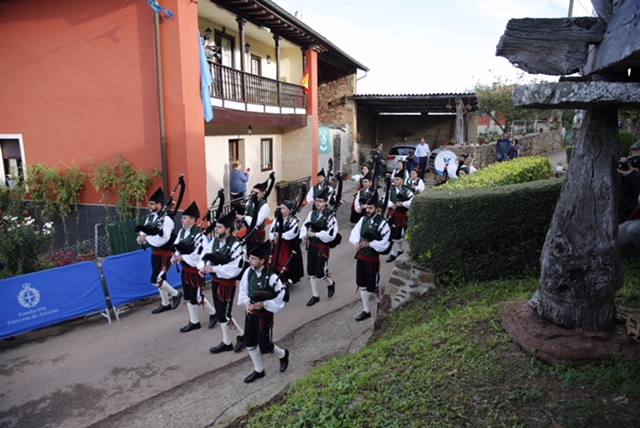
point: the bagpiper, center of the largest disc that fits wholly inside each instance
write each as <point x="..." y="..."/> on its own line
<point x="371" y="237"/>
<point x="320" y="186"/>
<point x="364" y="193"/>
<point x="156" y="232"/>
<point x="256" y="213"/>
<point x="262" y="294"/>
<point x="188" y="256"/>
<point x="223" y="257"/>
<point x="285" y="240"/>
<point x="415" y="183"/>
<point x="400" y="198"/>
<point x="321" y="229"/>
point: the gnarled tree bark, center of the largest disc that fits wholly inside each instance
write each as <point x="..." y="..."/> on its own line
<point x="581" y="269"/>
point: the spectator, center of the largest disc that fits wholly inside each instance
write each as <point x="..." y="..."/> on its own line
<point x="514" y="153"/>
<point x="630" y="176"/>
<point x="400" y="171"/>
<point x="411" y="161"/>
<point x="239" y="179"/>
<point x="503" y="147"/>
<point x="378" y="164"/>
<point x="422" y="156"/>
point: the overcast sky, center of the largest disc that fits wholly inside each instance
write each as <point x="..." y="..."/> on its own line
<point x="424" y="46"/>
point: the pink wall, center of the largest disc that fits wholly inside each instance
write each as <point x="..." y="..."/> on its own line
<point x="78" y="81"/>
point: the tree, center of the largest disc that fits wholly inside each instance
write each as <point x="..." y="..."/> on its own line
<point x="496" y="101"/>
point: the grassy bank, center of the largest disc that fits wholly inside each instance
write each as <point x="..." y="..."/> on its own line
<point x="446" y="361"/>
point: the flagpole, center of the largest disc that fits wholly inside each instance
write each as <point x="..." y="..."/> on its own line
<point x="159" y="78"/>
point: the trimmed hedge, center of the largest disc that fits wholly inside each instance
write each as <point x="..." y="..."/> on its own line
<point x="519" y="170"/>
<point x="471" y="234"/>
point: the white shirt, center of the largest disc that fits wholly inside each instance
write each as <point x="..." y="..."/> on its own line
<point x="419" y="186"/>
<point x="327" y="235"/>
<point x="422" y="150"/>
<point x="190" y="259"/>
<point x="292" y="232"/>
<point x="262" y="216"/>
<point x="380" y="245"/>
<point x="273" y="305"/>
<point x="229" y="270"/>
<point x="157" y="240"/>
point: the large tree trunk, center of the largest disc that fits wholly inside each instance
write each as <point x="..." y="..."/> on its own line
<point x="580" y="266"/>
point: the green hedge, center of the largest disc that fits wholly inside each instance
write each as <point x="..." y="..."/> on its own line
<point x="520" y="170"/>
<point x="472" y="234"/>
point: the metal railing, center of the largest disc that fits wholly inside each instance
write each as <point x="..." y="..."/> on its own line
<point x="235" y="85"/>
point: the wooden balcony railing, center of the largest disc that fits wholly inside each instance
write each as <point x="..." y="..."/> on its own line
<point x="236" y="85"/>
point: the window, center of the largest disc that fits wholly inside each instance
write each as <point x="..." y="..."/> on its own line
<point x="11" y="160"/>
<point x="227" y="46"/>
<point x="256" y="65"/>
<point x="266" y="154"/>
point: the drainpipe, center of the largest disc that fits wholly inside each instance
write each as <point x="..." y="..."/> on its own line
<point x="163" y="131"/>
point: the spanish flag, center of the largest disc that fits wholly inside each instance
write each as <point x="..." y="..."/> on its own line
<point x="305" y="80"/>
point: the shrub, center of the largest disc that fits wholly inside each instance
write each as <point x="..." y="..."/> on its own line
<point x="520" y="170"/>
<point x="627" y="138"/>
<point x="22" y="241"/>
<point x="481" y="234"/>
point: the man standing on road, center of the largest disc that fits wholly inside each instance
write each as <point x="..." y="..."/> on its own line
<point x="371" y="237"/>
<point x="156" y="232"/>
<point x="223" y="257"/>
<point x="422" y="155"/>
<point x="378" y="164"/>
<point x="262" y="294"/>
<point x="320" y="228"/>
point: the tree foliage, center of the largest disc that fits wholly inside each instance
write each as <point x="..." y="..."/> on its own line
<point x="496" y="101"/>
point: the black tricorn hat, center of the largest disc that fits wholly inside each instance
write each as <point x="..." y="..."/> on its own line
<point x="370" y="199"/>
<point x="228" y="220"/>
<point x="321" y="173"/>
<point x="323" y="194"/>
<point x="289" y="204"/>
<point x="192" y="210"/>
<point x="368" y="176"/>
<point x="262" y="250"/>
<point x="157" y="196"/>
<point x="262" y="186"/>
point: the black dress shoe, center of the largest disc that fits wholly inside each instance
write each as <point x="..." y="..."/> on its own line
<point x="187" y="328"/>
<point x="284" y="361"/>
<point x="254" y="376"/>
<point x="363" y="316"/>
<point x="222" y="347"/>
<point x="212" y="321"/>
<point x="161" y="309"/>
<point x="175" y="301"/>
<point x="313" y="300"/>
<point x="331" y="290"/>
<point x="239" y="344"/>
<point x="391" y="258"/>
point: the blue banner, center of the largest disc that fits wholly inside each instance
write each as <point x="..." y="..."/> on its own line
<point x="45" y="298"/>
<point x="128" y="277"/>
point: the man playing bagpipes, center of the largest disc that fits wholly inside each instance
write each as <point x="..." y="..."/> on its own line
<point x="321" y="229"/>
<point x="364" y="193"/>
<point x="400" y="198"/>
<point x="157" y="233"/>
<point x="223" y="256"/>
<point x="415" y="183"/>
<point x="320" y="186"/>
<point x="256" y="213"/>
<point x="371" y="237"/>
<point x="284" y="236"/>
<point x="187" y="253"/>
<point x="262" y="294"/>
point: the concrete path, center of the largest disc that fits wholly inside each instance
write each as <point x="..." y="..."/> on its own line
<point x="85" y="374"/>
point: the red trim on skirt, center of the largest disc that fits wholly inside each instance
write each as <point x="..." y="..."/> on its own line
<point x="282" y="254"/>
<point x="192" y="277"/>
<point x="226" y="289"/>
<point x="165" y="257"/>
<point x="320" y="247"/>
<point x="265" y="319"/>
<point x="399" y="217"/>
<point x="372" y="262"/>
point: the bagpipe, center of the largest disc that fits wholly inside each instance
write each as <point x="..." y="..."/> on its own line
<point x="269" y="293"/>
<point x="156" y="229"/>
<point x="281" y="225"/>
<point x="338" y="202"/>
<point x="214" y="212"/>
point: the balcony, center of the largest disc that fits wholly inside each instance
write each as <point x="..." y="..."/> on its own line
<point x="238" y="90"/>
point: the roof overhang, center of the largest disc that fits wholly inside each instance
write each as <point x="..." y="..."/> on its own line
<point x="265" y="13"/>
<point x="415" y="103"/>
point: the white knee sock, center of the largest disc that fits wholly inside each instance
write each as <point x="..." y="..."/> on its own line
<point x="397" y="247"/>
<point x="193" y="313"/>
<point x="164" y="297"/>
<point x="210" y="308"/>
<point x="364" y="295"/>
<point x="240" y="329"/>
<point x="169" y="289"/>
<point x="254" y="353"/>
<point x="278" y="351"/>
<point x="314" y="286"/>
<point x="226" y="337"/>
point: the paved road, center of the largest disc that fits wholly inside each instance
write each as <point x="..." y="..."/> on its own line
<point x="95" y="370"/>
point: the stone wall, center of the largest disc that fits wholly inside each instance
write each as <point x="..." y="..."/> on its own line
<point x="537" y="144"/>
<point x="297" y="152"/>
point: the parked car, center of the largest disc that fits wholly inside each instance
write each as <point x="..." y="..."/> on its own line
<point x="397" y="153"/>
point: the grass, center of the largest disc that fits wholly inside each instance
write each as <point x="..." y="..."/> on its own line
<point x="446" y="361"/>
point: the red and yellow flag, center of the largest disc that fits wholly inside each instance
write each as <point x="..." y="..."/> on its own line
<point x="305" y="80"/>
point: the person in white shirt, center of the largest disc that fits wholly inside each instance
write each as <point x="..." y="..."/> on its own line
<point x="415" y="183"/>
<point x="400" y="198"/>
<point x="156" y="232"/>
<point x="262" y="294"/>
<point x="422" y="155"/>
<point x="371" y="238"/>
<point x="400" y="171"/>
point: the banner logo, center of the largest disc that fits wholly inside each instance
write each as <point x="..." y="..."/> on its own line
<point x="29" y="297"/>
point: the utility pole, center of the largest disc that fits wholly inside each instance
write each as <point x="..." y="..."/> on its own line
<point x="570" y="8"/>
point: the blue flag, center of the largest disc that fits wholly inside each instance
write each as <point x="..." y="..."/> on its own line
<point x="206" y="80"/>
<point x="163" y="11"/>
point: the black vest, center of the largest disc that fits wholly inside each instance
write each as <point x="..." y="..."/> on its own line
<point x="259" y="288"/>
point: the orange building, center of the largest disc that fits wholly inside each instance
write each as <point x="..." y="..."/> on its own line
<point x="79" y="86"/>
